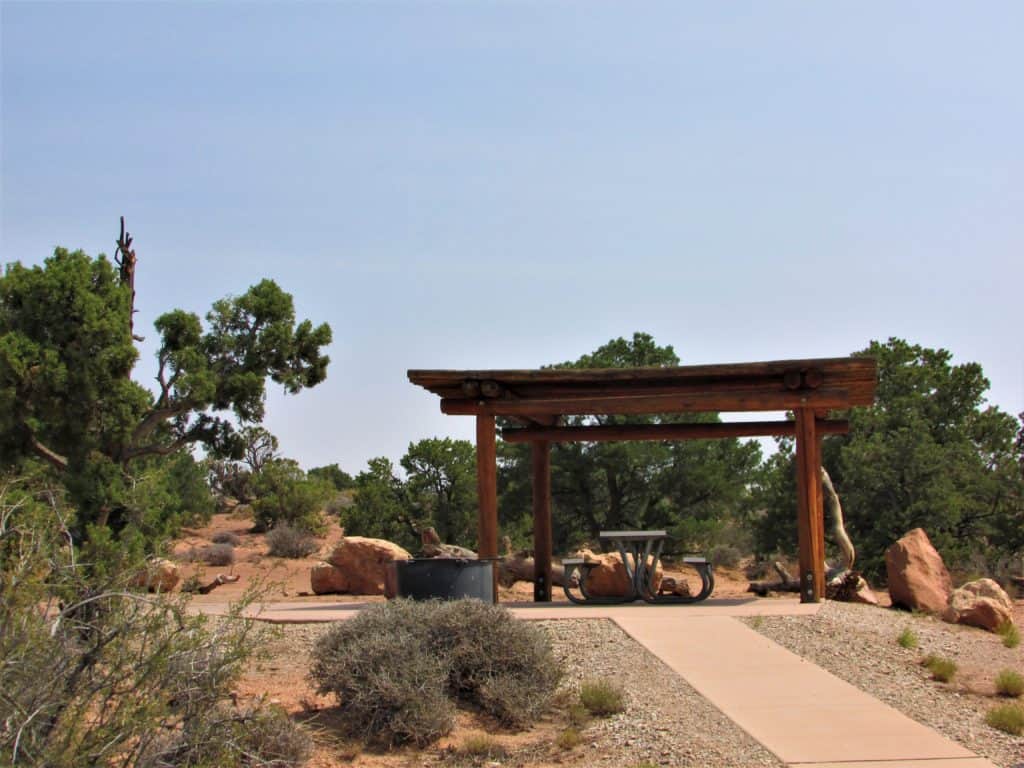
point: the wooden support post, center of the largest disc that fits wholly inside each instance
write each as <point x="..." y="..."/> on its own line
<point x="541" y="453"/>
<point x="810" y="522"/>
<point x="487" y="492"/>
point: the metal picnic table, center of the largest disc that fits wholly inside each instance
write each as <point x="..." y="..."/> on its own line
<point x="641" y="553"/>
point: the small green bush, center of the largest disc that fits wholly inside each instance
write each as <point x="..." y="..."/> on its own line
<point x="1008" y="718"/>
<point x="480" y="746"/>
<point x="1010" y="634"/>
<point x="285" y="541"/>
<point x="569" y="738"/>
<point x="399" y="668"/>
<point x="907" y="638"/>
<point x="942" y="669"/>
<point x="602" y="697"/>
<point x="1009" y="683"/>
<point x="226" y="537"/>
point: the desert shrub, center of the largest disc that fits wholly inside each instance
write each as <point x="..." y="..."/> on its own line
<point x="390" y="690"/>
<point x="266" y="738"/>
<point x="398" y="668"/>
<point x="602" y="697"/>
<point x="1010" y="634"/>
<point x="907" y="638"/>
<point x="480" y="746"/>
<point x="213" y="554"/>
<point x="143" y="667"/>
<point x="569" y="738"/>
<point x="1008" y="718"/>
<point x="226" y="537"/>
<point x="504" y="666"/>
<point x="942" y="669"/>
<point x="285" y="541"/>
<point x="725" y="556"/>
<point x="1009" y="683"/>
<point x="577" y="714"/>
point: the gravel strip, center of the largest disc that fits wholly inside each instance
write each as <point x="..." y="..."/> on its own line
<point x="857" y="643"/>
<point x="666" y="722"/>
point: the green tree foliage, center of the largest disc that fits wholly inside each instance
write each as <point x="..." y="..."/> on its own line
<point x="441" y="484"/>
<point x="66" y="393"/>
<point x="335" y="475"/>
<point x="930" y="453"/>
<point x="696" y="489"/>
<point x="382" y="509"/>
<point x="286" y="495"/>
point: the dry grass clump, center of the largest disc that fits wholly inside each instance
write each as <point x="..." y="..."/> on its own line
<point x="226" y="537"/>
<point x="907" y="638"/>
<point x="602" y="697"/>
<point x="1010" y="683"/>
<point x="569" y="738"/>
<point x="942" y="669"/>
<point x="285" y="541"/>
<point x="480" y="746"/>
<point x="212" y="554"/>
<point x="1010" y="634"/>
<point x="1008" y="718"/>
<point x="400" y="668"/>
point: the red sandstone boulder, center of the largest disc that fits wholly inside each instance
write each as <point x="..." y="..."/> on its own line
<point x="160" y="575"/>
<point x="609" y="578"/>
<point x="364" y="563"/>
<point x="982" y="603"/>
<point x="325" y="579"/>
<point x="918" y="578"/>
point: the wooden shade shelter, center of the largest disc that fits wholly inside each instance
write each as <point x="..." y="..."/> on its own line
<point x="538" y="399"/>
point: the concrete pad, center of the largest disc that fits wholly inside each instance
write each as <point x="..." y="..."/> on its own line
<point x="954" y="762"/>
<point x="798" y="711"/>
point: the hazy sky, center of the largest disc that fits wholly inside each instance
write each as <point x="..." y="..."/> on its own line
<point x="484" y="184"/>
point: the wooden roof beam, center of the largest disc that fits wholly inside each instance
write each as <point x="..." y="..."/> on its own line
<point x="616" y="432"/>
<point x="650" y="404"/>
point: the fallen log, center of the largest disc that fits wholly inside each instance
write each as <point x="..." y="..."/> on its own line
<point x="196" y="588"/>
<point x="786" y="583"/>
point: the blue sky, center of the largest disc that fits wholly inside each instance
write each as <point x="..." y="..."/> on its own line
<point x="484" y="184"/>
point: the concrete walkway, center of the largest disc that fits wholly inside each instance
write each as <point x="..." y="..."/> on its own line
<point x="804" y="715"/>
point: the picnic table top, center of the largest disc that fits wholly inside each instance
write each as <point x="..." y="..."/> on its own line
<point x="642" y="535"/>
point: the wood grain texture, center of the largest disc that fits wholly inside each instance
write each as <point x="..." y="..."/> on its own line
<point x="616" y="432"/>
<point x="542" y="535"/>
<point x="487" y="490"/>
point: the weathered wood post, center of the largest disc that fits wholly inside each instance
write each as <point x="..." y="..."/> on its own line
<point x="810" y="520"/>
<point x="542" y="546"/>
<point x="487" y="492"/>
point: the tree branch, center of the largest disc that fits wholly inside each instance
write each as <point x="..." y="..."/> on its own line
<point x="158" y="416"/>
<point x="47" y="454"/>
<point x="158" y="449"/>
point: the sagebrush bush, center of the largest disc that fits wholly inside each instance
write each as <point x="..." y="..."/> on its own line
<point x="1009" y="682"/>
<point x="907" y="638"/>
<point x="602" y="697"/>
<point x="285" y="541"/>
<point x="226" y="537"/>
<point x="1008" y="718"/>
<point x="399" y="668"/>
<point x="213" y="554"/>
